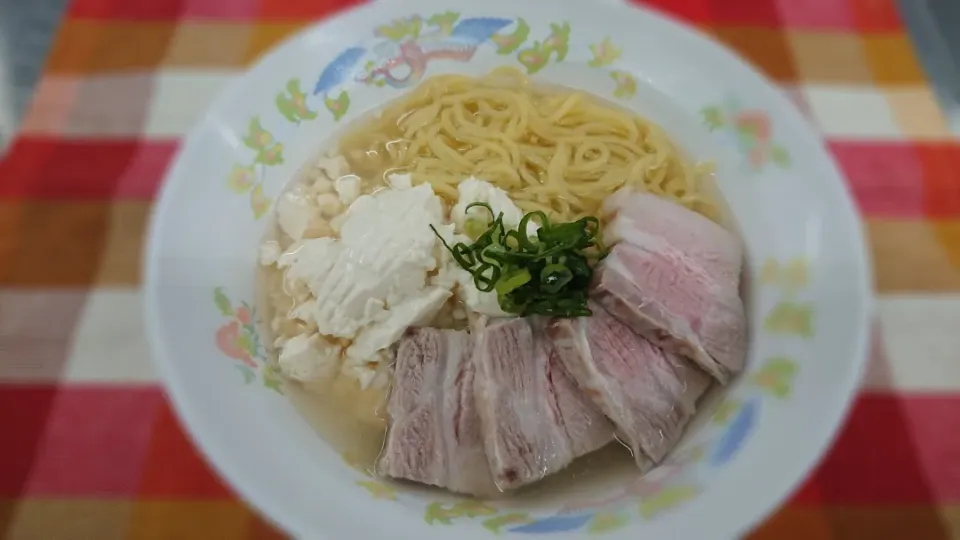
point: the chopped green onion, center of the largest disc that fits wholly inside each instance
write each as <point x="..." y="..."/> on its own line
<point x="543" y="274"/>
<point x="474" y="227"/>
<point x="553" y="277"/>
<point x="486" y="282"/>
<point x="507" y="284"/>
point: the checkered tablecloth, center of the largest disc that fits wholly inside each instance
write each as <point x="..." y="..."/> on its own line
<point x="89" y="448"/>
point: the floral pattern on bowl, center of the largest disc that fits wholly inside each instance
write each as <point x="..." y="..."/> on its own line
<point x="751" y="131"/>
<point x="239" y="340"/>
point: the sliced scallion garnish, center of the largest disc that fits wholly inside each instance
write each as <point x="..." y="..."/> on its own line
<point x="544" y="274"/>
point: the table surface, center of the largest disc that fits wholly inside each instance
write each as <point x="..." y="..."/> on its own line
<point x="92" y="449"/>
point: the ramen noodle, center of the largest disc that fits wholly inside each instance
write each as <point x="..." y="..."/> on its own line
<point x="552" y="149"/>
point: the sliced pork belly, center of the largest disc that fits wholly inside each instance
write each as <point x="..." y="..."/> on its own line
<point x="674" y="277"/>
<point x="664" y="296"/>
<point x="648" y="393"/>
<point x="434" y="436"/>
<point x="534" y="419"/>
<point x="635" y="216"/>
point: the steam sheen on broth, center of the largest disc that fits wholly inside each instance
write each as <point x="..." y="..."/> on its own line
<point x="549" y="149"/>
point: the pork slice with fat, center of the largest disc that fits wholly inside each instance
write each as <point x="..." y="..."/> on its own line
<point x="434" y="435"/>
<point x="674" y="277"/>
<point x="634" y="216"/>
<point x="649" y="394"/>
<point x="534" y="419"/>
<point x="663" y="295"/>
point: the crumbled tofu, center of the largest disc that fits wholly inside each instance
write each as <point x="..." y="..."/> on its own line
<point x="333" y="166"/>
<point x="304" y="312"/>
<point x="269" y="252"/>
<point x="369" y="285"/>
<point x="322" y="185"/>
<point x="369" y="372"/>
<point x="412" y="311"/>
<point x="329" y="205"/>
<point x="354" y="295"/>
<point x="337" y="222"/>
<point x="296" y="214"/>
<point x="400" y="181"/>
<point x="310" y="358"/>
<point x="473" y="190"/>
<point x="348" y="188"/>
<point x="324" y="174"/>
<point x="303" y="260"/>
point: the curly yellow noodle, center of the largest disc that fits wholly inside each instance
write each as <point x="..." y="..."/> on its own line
<point x="552" y="149"/>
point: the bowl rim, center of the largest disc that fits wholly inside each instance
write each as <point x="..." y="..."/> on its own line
<point x="781" y="485"/>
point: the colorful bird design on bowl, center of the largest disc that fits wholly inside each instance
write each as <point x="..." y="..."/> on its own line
<point x="400" y="67"/>
<point x="401" y="58"/>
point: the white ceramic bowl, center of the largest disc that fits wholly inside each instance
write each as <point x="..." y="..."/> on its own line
<point x="808" y="291"/>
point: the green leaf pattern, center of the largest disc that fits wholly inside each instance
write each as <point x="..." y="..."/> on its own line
<point x="241" y="178"/>
<point x="222" y="302"/>
<point x="780" y="156"/>
<point x="667" y="499"/>
<point x="379" y="490"/>
<point x="401" y="29"/>
<point x="271" y="379"/>
<point x="508" y="43"/>
<point x="626" y="84"/>
<point x="790" y="318"/>
<point x="726" y="410"/>
<point x="292" y="103"/>
<point x="438" y="512"/>
<point x="604" y="53"/>
<point x="607" y="521"/>
<point x="248" y="375"/>
<point x="496" y="523"/>
<point x="444" y="22"/>
<point x="556" y="45"/>
<point x="712" y="118"/>
<point x="337" y="106"/>
<point x="751" y="129"/>
<point x="776" y="376"/>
